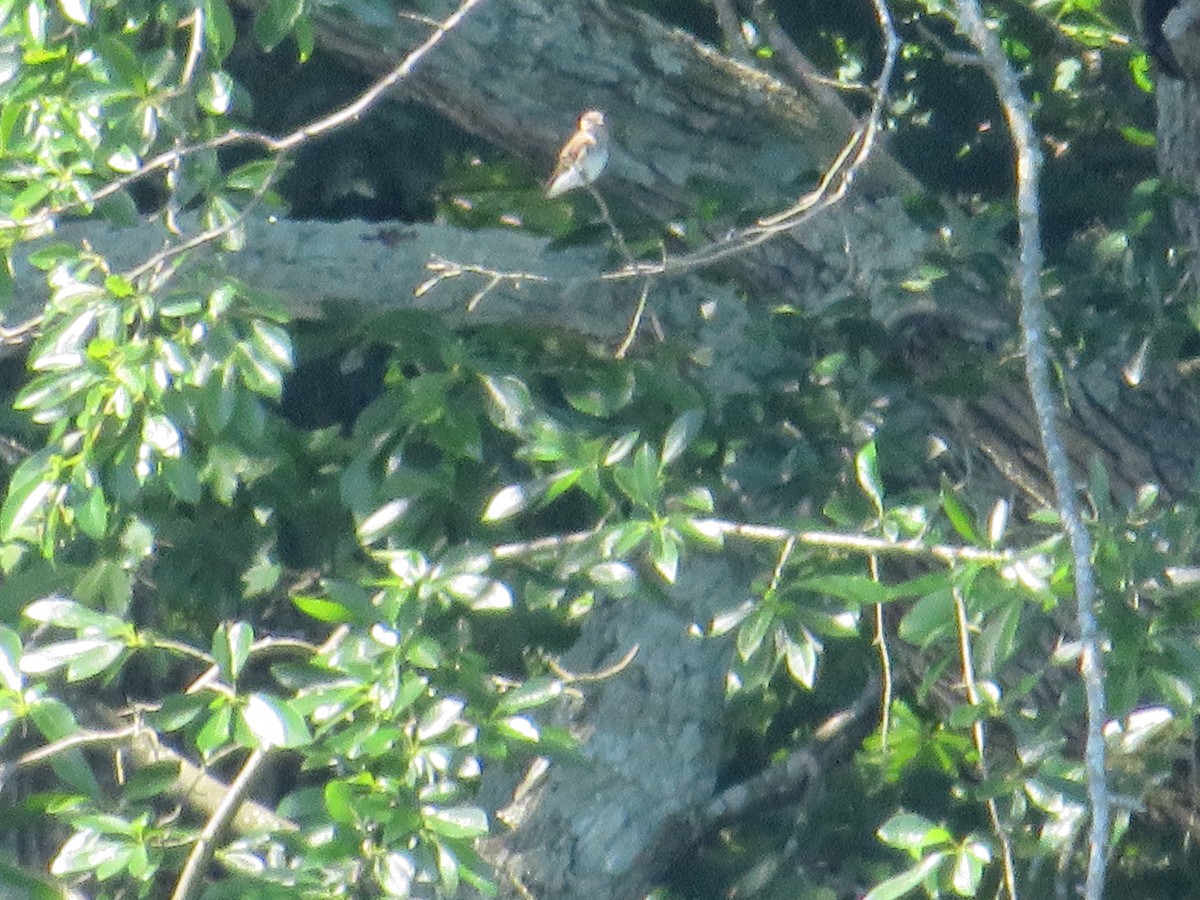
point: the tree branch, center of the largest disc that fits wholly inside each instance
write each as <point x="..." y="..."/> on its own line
<point x="1037" y="371"/>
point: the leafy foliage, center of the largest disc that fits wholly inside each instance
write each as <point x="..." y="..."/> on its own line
<point x="201" y="573"/>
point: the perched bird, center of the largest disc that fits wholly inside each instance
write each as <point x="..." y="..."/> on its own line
<point x="583" y="156"/>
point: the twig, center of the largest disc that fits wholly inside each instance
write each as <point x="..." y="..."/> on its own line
<point x="634" y="323"/>
<point x="773" y="534"/>
<point x="203" y="848"/>
<point x="205" y="237"/>
<point x="885" y="660"/>
<point x="730" y="24"/>
<point x="979" y="735"/>
<point x="202" y="851"/>
<point x="834" y="185"/>
<point x="195" y="21"/>
<point x="622" y="247"/>
<point x="604" y="674"/>
<point x="82" y="739"/>
<point x="1037" y="373"/>
<point x="785" y="49"/>
<point x="786" y="780"/>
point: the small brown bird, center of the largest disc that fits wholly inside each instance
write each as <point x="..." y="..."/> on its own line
<point x="582" y="157"/>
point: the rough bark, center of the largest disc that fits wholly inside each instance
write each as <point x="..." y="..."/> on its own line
<point x="650" y="746"/>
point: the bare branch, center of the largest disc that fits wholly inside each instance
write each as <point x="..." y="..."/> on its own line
<point x="772" y="534"/>
<point x="730" y="23"/>
<point x="979" y="735"/>
<point x="202" y="850"/>
<point x="1037" y="372"/>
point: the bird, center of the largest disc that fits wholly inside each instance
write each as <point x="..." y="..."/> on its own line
<point x="583" y="157"/>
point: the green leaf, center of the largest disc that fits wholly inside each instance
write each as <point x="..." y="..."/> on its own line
<point x="800" y="655"/>
<point x="306" y="38"/>
<point x="754" y="629"/>
<point x="519" y="728"/>
<point x="214" y="735"/>
<point x="231" y="648"/>
<point x="78" y="11"/>
<point x="215" y="94"/>
<point x="532" y="694"/>
<point x="95" y="661"/>
<point x="275" y="20"/>
<point x="176" y="711"/>
<point x="394" y="872"/>
<point x="639" y="481"/>
<point x="86" y="652"/>
<point x="29" y="492"/>
<point x="906" y="881"/>
<point x="447" y="864"/>
<point x="55" y="721"/>
<point x="967" y="870"/>
<point x="681" y="434"/>
<point x="855" y="588"/>
<point x="455" y="821"/>
<point x="931" y="617"/>
<point x="909" y="831"/>
<point x="322" y="609"/>
<point x="621" y="448"/>
<point x="866" y="468"/>
<point x="150" y="781"/>
<point x="92" y="513"/>
<point x="219" y="28"/>
<point x="440" y="718"/>
<point x="272" y="343"/>
<point x="183" y="480"/>
<point x="274" y="723"/>
<point x="510" y="403"/>
<point x="664" y="554"/>
<point x="87" y="851"/>
<point x="10" y="658"/>
<point x="479" y="593"/>
<point x="259" y="372"/>
<point x="69" y="614"/>
<point x="256" y="176"/>
<point x="506" y="502"/>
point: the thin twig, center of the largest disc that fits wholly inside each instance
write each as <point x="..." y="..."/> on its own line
<point x="604" y="674"/>
<point x="885" y="659"/>
<point x="979" y="735"/>
<point x="202" y="850"/>
<point x="634" y="323"/>
<point x="622" y="247"/>
<point x="204" y="237"/>
<point x="82" y="739"/>
<point x="773" y="534"/>
<point x="730" y="24"/>
<point x="205" y="844"/>
<point x="195" y="22"/>
<point x="1037" y="372"/>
